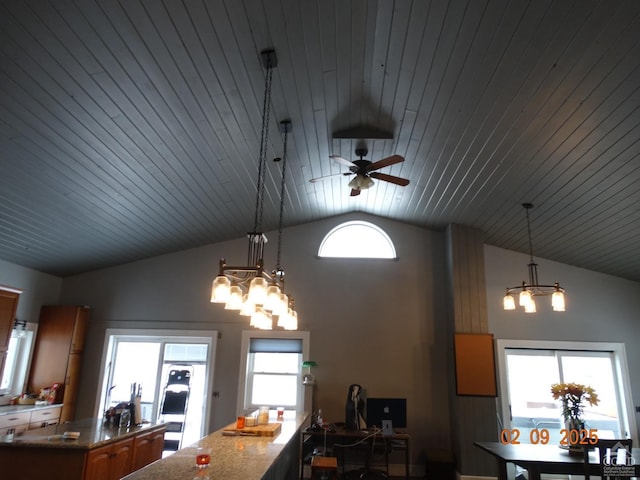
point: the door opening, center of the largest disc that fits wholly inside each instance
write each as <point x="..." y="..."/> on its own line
<point x="145" y="358"/>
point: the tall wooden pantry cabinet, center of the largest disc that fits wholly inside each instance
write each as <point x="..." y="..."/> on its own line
<point x="57" y="356"/>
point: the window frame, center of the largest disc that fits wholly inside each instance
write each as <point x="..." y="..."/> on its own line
<point x="244" y="380"/>
<point x="620" y="366"/>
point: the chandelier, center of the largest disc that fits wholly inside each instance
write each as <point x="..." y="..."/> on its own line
<point x="528" y="291"/>
<point x="249" y="289"/>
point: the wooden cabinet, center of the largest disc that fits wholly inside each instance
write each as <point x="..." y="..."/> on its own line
<point x="147" y="448"/>
<point x="98" y="454"/>
<point x="57" y="353"/>
<point x="110" y="462"/>
<point x="8" y="306"/>
<point x="71" y="384"/>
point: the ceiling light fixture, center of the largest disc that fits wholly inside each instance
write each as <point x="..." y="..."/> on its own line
<point x="528" y="291"/>
<point x="250" y="289"/>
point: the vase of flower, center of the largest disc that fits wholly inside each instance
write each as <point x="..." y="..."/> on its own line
<point x="574" y="397"/>
<point x="575" y="435"/>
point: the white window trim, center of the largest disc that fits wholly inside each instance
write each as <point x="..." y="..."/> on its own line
<point x="620" y="364"/>
<point x="247" y="335"/>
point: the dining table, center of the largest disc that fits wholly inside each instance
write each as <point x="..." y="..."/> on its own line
<point x="552" y="459"/>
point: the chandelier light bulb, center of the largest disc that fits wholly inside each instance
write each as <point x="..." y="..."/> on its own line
<point x="530" y="307"/>
<point x="247" y="309"/>
<point x="220" y="290"/>
<point x="234" y="301"/>
<point x="258" y="291"/>
<point x="557" y="301"/>
<point x="525" y="298"/>
<point x="273" y="297"/>
<point x="509" y="302"/>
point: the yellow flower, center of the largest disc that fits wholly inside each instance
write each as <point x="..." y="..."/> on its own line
<point x="573" y="397"/>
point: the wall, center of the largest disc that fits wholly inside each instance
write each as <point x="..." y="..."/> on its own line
<point x="600" y="308"/>
<point x="37" y="289"/>
<point x="379" y="323"/>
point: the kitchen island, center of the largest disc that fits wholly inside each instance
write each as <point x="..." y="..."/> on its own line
<point x="99" y="452"/>
<point x="236" y="457"/>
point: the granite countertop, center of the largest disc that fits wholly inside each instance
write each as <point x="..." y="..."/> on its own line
<point x="232" y="457"/>
<point x="9" y="409"/>
<point x="93" y="433"/>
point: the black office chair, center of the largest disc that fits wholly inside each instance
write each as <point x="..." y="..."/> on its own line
<point x="607" y="451"/>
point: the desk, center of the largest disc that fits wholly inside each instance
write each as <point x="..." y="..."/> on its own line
<point x="537" y="459"/>
<point x="340" y="440"/>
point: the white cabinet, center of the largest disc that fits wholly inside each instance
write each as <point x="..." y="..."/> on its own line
<point x="14" y="422"/>
<point x="17" y="422"/>
<point x="45" y="417"/>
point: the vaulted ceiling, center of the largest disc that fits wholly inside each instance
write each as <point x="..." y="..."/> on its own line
<point x="131" y="128"/>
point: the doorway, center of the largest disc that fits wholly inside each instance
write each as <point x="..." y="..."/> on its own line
<point x="139" y="361"/>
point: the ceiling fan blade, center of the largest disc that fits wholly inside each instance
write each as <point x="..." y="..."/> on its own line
<point x="385" y="162"/>
<point x="342" y="160"/>
<point x="389" y="178"/>
<point x="354" y="192"/>
<point x="329" y="177"/>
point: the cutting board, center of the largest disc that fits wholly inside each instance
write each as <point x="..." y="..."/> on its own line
<point x="268" y="430"/>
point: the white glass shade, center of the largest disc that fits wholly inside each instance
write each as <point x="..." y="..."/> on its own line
<point x="261" y="319"/>
<point x="292" y="324"/>
<point x="361" y="182"/>
<point x="235" y="298"/>
<point x="509" y="302"/>
<point x="220" y="290"/>
<point x="273" y="297"/>
<point x="283" y="319"/>
<point x="247" y="307"/>
<point x="258" y="291"/>
<point x="525" y="298"/>
<point x="557" y="301"/>
<point x="531" y="306"/>
<point x="283" y="305"/>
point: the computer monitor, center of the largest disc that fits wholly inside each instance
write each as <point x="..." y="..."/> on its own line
<point x="379" y="409"/>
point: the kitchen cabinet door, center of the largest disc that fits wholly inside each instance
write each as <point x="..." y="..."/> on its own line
<point x="147" y="448"/>
<point x="110" y="462"/>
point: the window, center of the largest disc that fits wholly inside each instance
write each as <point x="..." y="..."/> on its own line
<point x="357" y="239"/>
<point x="145" y="357"/>
<point x="15" y="369"/>
<point x="272" y="366"/>
<point x="528" y="369"/>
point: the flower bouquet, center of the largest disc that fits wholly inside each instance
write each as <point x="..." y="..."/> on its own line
<point x="574" y="397"/>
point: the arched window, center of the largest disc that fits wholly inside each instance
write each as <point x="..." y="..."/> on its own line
<point x="357" y="239"/>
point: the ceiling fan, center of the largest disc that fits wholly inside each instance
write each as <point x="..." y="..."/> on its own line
<point x="364" y="171"/>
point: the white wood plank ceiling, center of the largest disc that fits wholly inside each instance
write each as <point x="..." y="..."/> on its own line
<point x="131" y="128"/>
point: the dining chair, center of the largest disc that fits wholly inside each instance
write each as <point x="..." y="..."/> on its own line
<point x="607" y="449"/>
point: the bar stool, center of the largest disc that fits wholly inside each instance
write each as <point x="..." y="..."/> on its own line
<point x="324" y="468"/>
